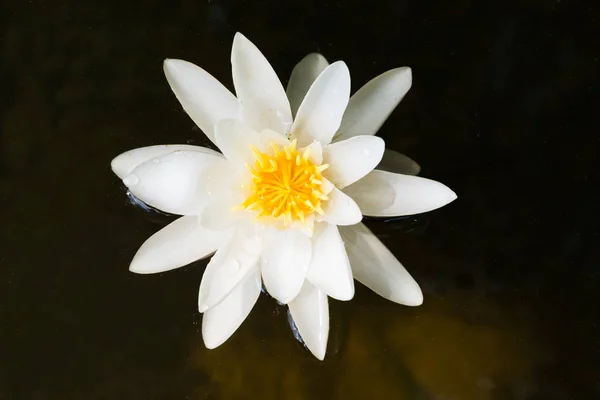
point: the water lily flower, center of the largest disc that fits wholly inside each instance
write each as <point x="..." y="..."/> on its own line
<point x="281" y="204"/>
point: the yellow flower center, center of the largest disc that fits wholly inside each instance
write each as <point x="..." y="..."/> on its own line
<point x="286" y="186"/>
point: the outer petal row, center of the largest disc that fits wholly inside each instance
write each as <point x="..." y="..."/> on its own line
<point x="262" y="99"/>
<point x="172" y="182"/>
<point x="310" y="311"/>
<point x="385" y="194"/>
<point x="236" y="258"/>
<point x="373" y="103"/>
<point x="367" y="109"/>
<point x="222" y="320"/>
<point x="124" y="164"/>
<point x="202" y="96"/>
<point x="376" y="267"/>
<point x="181" y="242"/>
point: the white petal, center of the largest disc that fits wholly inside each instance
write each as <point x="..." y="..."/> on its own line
<point x="412" y="194"/>
<point x="203" y="97"/>
<point x="373" y="103"/>
<point x="284" y="262"/>
<point x="221" y="321"/>
<point x="372" y="193"/>
<point x="303" y="75"/>
<point x="221" y="213"/>
<point x="350" y="160"/>
<point x="263" y="102"/>
<point x="316" y="152"/>
<point x="181" y="242"/>
<point x="329" y="268"/>
<point x="376" y="267"/>
<point x="321" y="111"/>
<point x="174" y="182"/>
<point x="235" y="139"/>
<point x="326" y="186"/>
<point x="234" y="260"/>
<point x="398" y="163"/>
<point x="340" y="209"/>
<point x="310" y="312"/>
<point x="124" y="164"/>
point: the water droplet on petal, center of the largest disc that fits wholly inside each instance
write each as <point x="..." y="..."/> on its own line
<point x="131" y="180"/>
<point x="156" y="161"/>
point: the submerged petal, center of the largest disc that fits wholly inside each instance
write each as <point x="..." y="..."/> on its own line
<point x="202" y="96"/>
<point x="181" y="242"/>
<point x="262" y="99"/>
<point x="350" y="160"/>
<point x="221" y="321"/>
<point x="320" y="114"/>
<point x="329" y="268"/>
<point x="310" y="311"/>
<point x="174" y="182"/>
<point x="376" y="267"/>
<point x="235" y="259"/>
<point x="124" y="164"/>
<point x="303" y="76"/>
<point x="284" y="262"/>
<point x="371" y="105"/>
<point x="412" y="194"/>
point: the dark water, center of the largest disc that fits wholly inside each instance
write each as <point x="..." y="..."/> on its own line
<point x="503" y="110"/>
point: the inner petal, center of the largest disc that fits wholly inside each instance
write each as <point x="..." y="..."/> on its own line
<point x="286" y="185"/>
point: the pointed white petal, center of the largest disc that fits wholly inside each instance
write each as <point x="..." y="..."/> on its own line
<point x="321" y="111"/>
<point x="124" y="164"/>
<point x="174" y="182"/>
<point x="235" y="259"/>
<point x="303" y="75"/>
<point x="262" y="99"/>
<point x="316" y="152"/>
<point x="284" y="262"/>
<point x="373" y="103"/>
<point x="412" y="194"/>
<point x="310" y="311"/>
<point x="329" y="268"/>
<point x="221" y="321"/>
<point x="235" y="139"/>
<point x="350" y="160"/>
<point x="203" y="97"/>
<point x="340" y="209"/>
<point x="398" y="163"/>
<point x="376" y="267"/>
<point x="372" y="193"/>
<point x="181" y="242"/>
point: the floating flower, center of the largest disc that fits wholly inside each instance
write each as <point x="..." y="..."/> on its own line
<point x="282" y="203"/>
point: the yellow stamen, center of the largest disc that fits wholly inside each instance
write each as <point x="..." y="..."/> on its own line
<point x="285" y="184"/>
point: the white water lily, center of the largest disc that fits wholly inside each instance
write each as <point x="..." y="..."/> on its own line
<point x="282" y="203"/>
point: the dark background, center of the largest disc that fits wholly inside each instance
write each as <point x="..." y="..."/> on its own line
<point x="503" y="110"/>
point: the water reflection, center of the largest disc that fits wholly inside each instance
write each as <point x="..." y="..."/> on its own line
<point x="387" y="351"/>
